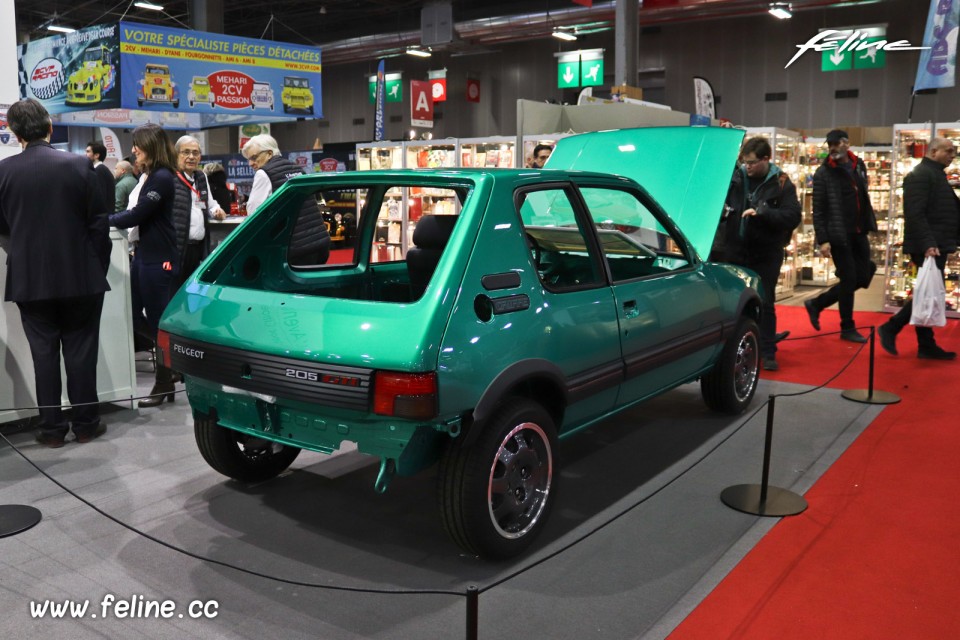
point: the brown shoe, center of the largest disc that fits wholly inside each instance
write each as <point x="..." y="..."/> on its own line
<point x="86" y="435"/>
<point x="51" y="440"/>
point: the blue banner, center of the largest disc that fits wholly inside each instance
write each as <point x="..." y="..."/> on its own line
<point x="938" y="64"/>
<point x="380" y="90"/>
<point x="76" y="71"/>
<point x="166" y="69"/>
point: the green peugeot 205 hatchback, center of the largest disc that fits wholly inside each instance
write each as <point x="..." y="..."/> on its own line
<point x="481" y="315"/>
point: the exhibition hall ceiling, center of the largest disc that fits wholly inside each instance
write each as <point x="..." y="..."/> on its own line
<point x="354" y="30"/>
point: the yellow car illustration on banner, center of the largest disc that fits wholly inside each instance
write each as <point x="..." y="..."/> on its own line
<point x="200" y="92"/>
<point x="93" y="79"/>
<point x="158" y="86"/>
<point x="296" y="95"/>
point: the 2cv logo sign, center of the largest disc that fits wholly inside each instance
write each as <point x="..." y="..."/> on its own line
<point x="843" y="41"/>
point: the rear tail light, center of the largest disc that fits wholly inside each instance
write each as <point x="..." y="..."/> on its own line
<point x="405" y="395"/>
<point x="163" y="348"/>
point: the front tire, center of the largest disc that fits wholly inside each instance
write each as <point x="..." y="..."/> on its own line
<point x="495" y="495"/>
<point x="241" y="456"/>
<point x="730" y="385"/>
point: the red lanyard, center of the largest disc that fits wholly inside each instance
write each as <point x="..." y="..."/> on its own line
<point x="190" y="186"/>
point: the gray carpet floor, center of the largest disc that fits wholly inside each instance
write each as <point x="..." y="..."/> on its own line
<point x="637" y="538"/>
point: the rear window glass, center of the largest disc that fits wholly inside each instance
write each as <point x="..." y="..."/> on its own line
<point x="357" y="242"/>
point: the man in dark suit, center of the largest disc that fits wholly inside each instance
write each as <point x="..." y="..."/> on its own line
<point x="58" y="254"/>
<point x="97" y="154"/>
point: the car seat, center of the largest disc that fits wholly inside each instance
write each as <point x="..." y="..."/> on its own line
<point x="430" y="237"/>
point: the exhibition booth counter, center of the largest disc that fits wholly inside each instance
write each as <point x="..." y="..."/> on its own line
<point x="116" y="373"/>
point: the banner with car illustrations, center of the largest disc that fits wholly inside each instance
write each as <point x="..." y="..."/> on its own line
<point x="134" y="66"/>
<point x="175" y="69"/>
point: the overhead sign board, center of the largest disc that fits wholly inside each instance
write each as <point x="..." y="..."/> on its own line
<point x="132" y="66"/>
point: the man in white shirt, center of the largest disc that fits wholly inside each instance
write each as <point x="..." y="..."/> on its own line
<point x="193" y="207"/>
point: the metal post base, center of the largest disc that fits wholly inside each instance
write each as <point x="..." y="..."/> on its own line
<point x="779" y="502"/>
<point x="16" y="518"/>
<point x="868" y="397"/>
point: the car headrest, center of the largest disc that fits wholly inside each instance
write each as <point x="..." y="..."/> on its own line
<point x="433" y="232"/>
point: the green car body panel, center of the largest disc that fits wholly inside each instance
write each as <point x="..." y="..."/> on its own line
<point x="576" y="351"/>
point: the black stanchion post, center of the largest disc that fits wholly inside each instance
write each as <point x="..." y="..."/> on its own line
<point x="868" y="395"/>
<point x="762" y="499"/>
<point x="473" y="602"/>
<point x="17" y="518"/>
<point x="767" y="445"/>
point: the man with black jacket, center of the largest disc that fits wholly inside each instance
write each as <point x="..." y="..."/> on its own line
<point x="931" y="216"/>
<point x="760" y="214"/>
<point x="193" y="207"/>
<point x="58" y="255"/>
<point x="97" y="153"/>
<point x="842" y="218"/>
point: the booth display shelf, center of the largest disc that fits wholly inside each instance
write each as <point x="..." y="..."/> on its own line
<point x="498" y="151"/>
<point x="815" y="270"/>
<point x="910" y="146"/>
<point x="116" y="373"/>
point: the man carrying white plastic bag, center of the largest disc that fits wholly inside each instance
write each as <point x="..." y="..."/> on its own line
<point x="931" y="212"/>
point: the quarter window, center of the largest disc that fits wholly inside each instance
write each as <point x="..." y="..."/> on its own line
<point x="632" y="238"/>
<point x="558" y="243"/>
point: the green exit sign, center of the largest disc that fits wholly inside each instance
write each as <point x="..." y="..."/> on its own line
<point x="580" y="69"/>
<point x="851" y="50"/>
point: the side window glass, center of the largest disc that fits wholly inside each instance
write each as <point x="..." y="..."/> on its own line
<point x="633" y="241"/>
<point x="557" y="242"/>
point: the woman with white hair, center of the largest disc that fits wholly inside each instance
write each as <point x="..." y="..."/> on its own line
<point x="310" y="240"/>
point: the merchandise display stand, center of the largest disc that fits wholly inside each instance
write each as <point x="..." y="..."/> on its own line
<point x="815" y="270"/>
<point x="497" y="151"/>
<point x="910" y="143"/>
<point x="879" y="163"/>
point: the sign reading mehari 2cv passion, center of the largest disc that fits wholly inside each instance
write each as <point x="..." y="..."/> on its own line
<point x="166" y="69"/>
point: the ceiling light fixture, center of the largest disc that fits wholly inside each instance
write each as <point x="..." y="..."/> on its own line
<point x="420" y="53"/>
<point x="148" y="5"/>
<point x="781" y="11"/>
<point x="59" y="29"/>
<point x="563" y="35"/>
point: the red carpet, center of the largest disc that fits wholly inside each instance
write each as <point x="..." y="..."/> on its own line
<point x="877" y="553"/>
<point x="340" y="256"/>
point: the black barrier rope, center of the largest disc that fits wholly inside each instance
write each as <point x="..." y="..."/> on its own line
<point x="202" y="558"/>
<point x="87" y="404"/>
<point x="472" y="592"/>
<point x="835" y="376"/>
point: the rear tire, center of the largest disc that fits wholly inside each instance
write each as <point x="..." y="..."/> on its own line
<point x="495" y="495"/>
<point x="241" y="456"/>
<point x="730" y="385"/>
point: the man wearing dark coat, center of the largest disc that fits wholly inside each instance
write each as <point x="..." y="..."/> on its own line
<point x="51" y="208"/>
<point x="760" y="214"/>
<point x="97" y="153"/>
<point x="842" y="218"/>
<point x="931" y="227"/>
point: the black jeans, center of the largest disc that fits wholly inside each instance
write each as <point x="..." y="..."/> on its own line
<point x="768" y="268"/>
<point x="74" y="324"/>
<point x="900" y="319"/>
<point x="855" y="270"/>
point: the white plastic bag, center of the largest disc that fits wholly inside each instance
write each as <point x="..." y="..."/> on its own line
<point x="929" y="296"/>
